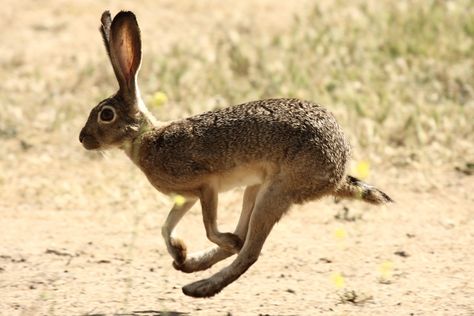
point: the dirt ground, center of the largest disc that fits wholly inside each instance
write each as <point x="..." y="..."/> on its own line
<point x="80" y="233"/>
<point x="88" y="262"/>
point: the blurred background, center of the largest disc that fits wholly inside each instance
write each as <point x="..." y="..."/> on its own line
<point x="398" y="75"/>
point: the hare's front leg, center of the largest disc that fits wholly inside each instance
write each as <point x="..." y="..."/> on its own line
<point x="228" y="241"/>
<point x="205" y="259"/>
<point x="176" y="247"/>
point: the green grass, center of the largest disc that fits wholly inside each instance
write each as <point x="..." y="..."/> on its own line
<point x="397" y="74"/>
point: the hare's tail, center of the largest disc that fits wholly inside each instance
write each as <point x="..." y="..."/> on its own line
<point x="354" y="188"/>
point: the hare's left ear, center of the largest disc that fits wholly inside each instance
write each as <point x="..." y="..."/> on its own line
<point x="106" y="22"/>
<point x="124" y="47"/>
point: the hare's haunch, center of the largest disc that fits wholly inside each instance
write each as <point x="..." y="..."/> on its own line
<point x="285" y="151"/>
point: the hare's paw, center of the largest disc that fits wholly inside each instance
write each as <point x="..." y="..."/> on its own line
<point x="189" y="265"/>
<point x="202" y="288"/>
<point x="202" y="260"/>
<point x="177" y="250"/>
<point x="230" y="242"/>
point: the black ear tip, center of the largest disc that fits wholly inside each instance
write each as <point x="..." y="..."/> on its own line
<point x="106" y="17"/>
<point x="125" y="15"/>
<point x="124" y="18"/>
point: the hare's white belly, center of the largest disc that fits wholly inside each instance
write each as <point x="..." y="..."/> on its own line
<point x="240" y="176"/>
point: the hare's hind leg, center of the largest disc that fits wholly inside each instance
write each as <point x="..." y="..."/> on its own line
<point x="271" y="203"/>
<point x="207" y="258"/>
<point x="176" y="247"/>
<point x="228" y="241"/>
<point x="248" y="203"/>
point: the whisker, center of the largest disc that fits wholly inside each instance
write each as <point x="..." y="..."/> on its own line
<point x="105" y="155"/>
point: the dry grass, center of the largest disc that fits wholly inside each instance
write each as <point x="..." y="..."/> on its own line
<point x="398" y="76"/>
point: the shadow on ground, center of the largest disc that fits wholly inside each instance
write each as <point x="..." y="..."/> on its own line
<point x="142" y="313"/>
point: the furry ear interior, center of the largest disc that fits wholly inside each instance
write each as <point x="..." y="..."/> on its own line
<point x="124" y="48"/>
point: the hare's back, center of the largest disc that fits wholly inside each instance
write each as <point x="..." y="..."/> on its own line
<point x="283" y="131"/>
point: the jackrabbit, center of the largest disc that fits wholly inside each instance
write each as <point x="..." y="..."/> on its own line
<point x="285" y="151"/>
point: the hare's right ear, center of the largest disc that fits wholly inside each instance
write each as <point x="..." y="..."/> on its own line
<point x="122" y="41"/>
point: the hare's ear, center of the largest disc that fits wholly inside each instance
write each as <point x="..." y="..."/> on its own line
<point x="106" y="22"/>
<point x="124" y="48"/>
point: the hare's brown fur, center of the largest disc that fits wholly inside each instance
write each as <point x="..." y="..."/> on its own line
<point x="285" y="151"/>
<point x="251" y="141"/>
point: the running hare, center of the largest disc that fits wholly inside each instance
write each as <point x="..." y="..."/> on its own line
<point x="285" y="151"/>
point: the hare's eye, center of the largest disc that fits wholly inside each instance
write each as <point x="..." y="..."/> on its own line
<point x="107" y="115"/>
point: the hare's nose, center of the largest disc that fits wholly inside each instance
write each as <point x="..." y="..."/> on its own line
<point x="82" y="135"/>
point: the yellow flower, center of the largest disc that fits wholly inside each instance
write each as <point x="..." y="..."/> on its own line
<point x="386" y="270"/>
<point x="362" y="169"/>
<point x="338" y="280"/>
<point x="340" y="233"/>
<point x="159" y="98"/>
<point x="179" y="200"/>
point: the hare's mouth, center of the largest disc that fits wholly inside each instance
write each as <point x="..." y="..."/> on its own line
<point x="89" y="142"/>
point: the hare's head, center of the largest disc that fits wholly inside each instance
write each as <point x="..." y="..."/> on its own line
<point x="122" y="117"/>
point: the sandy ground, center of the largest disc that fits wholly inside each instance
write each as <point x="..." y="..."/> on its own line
<point x="103" y="262"/>
<point x="80" y="233"/>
